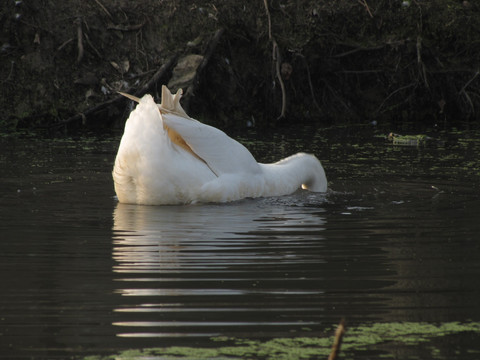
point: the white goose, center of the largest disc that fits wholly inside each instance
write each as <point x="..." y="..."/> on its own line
<point x="166" y="157"/>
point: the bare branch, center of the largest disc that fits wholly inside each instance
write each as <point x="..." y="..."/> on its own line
<point x="78" y="22"/>
<point x="276" y="58"/>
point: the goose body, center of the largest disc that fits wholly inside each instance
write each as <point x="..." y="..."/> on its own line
<point x="166" y="157"/>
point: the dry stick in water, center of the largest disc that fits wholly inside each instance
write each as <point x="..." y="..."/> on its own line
<point x="337" y="342"/>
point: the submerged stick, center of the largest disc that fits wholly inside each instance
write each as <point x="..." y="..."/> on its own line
<point x="337" y="342"/>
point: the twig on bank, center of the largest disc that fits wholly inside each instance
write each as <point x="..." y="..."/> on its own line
<point x="78" y="22"/>
<point x="337" y="342"/>
<point x="464" y="92"/>
<point x="190" y="91"/>
<point x="139" y="93"/>
<point x="421" y="65"/>
<point x="393" y="93"/>
<point x="353" y="51"/>
<point x="104" y="8"/>
<point x="336" y="96"/>
<point x="64" y="44"/>
<point x="364" y="3"/>
<point x="358" y="48"/>
<point x="125" y="27"/>
<point x="276" y="58"/>
<point x="9" y="76"/>
<point x="93" y="47"/>
<point x="470" y="102"/>
<point x="157" y="76"/>
<point x="310" y="84"/>
<point x="265" y="2"/>
<point x="142" y="74"/>
<point x="469" y="81"/>
<point x="83" y="116"/>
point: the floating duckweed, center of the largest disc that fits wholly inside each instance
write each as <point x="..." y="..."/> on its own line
<point x="237" y="351"/>
<point x="221" y="338"/>
<point x="297" y="348"/>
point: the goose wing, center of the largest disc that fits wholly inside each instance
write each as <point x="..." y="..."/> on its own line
<point x="222" y="154"/>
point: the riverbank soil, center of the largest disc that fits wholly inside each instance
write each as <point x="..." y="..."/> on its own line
<point x="272" y="63"/>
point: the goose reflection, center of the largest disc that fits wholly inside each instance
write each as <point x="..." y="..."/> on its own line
<point x="212" y="237"/>
<point x="205" y="266"/>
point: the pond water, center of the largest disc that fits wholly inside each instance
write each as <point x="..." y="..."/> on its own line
<point x="395" y="242"/>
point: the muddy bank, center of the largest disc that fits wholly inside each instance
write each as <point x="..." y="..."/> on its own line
<point x="272" y="63"/>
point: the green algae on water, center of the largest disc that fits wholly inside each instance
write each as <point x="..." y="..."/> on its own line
<point x="357" y="338"/>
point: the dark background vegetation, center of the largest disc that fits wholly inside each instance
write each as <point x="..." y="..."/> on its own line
<point x="353" y="61"/>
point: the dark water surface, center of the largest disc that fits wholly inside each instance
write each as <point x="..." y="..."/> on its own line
<point x="396" y="239"/>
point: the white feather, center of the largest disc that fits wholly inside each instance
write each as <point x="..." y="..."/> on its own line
<point x="166" y="157"/>
<point x="222" y="154"/>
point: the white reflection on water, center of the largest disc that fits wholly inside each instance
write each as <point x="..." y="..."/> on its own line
<point x="177" y="238"/>
<point x="187" y="264"/>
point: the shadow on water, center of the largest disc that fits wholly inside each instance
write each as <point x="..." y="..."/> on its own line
<point x="393" y="247"/>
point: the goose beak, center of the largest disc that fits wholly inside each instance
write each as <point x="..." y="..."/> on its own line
<point x="131" y="97"/>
